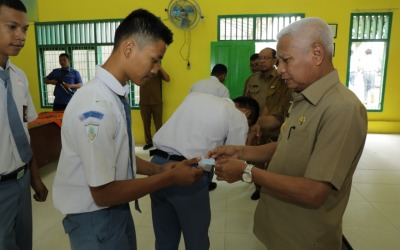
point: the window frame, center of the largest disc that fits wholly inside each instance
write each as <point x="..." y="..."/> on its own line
<point x="354" y="38"/>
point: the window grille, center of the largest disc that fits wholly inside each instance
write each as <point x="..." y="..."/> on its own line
<point x="253" y="28"/>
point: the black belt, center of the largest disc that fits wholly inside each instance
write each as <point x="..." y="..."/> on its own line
<point x="15" y="175"/>
<point x="167" y="156"/>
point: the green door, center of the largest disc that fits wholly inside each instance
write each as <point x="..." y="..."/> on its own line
<point x="235" y="55"/>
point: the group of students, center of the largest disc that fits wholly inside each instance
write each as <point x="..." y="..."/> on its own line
<point x="304" y="192"/>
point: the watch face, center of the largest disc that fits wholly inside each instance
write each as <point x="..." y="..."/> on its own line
<point x="246" y="177"/>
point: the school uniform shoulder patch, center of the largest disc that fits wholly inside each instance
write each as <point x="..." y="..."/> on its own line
<point x="92" y="129"/>
<point x="94" y="114"/>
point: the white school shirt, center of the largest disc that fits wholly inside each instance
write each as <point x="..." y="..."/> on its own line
<point x="202" y="122"/>
<point x="211" y="86"/>
<point x="95" y="144"/>
<point x="9" y="156"/>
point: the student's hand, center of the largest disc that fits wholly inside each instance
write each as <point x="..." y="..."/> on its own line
<point x="252" y="136"/>
<point x="40" y="190"/>
<point x="168" y="166"/>
<point x="229" y="170"/>
<point x="224" y="152"/>
<point x="185" y="173"/>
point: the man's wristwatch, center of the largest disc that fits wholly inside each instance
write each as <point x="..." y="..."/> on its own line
<point x="246" y="175"/>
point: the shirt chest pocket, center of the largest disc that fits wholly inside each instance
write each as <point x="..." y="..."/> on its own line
<point x="69" y="78"/>
<point x="271" y="91"/>
<point x="254" y="89"/>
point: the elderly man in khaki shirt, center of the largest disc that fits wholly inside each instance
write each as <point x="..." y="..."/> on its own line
<point x="307" y="186"/>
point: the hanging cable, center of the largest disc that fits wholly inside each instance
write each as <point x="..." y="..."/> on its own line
<point x="187" y="41"/>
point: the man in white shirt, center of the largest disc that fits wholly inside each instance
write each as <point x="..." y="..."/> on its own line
<point x="18" y="168"/>
<point x="201" y="122"/>
<point x="95" y="180"/>
<point x="215" y="84"/>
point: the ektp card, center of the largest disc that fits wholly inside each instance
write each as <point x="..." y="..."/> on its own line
<point x="206" y="164"/>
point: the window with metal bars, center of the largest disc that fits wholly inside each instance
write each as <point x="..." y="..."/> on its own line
<point x="253" y="27"/>
<point x="368" y="53"/>
<point x="89" y="43"/>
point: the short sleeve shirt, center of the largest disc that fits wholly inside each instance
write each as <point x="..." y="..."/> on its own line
<point x="95" y="144"/>
<point x="10" y="159"/>
<point x="259" y="86"/>
<point x="322" y="139"/>
<point x="70" y="76"/>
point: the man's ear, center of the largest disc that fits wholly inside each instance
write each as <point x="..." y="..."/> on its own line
<point x="318" y="54"/>
<point x="129" y="46"/>
<point x="247" y="113"/>
<point x="221" y="78"/>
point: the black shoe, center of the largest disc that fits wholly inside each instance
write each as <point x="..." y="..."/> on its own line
<point x="256" y="195"/>
<point x="147" y="146"/>
<point x="212" y="186"/>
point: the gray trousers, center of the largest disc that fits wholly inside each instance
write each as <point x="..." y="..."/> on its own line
<point x="107" y="229"/>
<point x="16" y="214"/>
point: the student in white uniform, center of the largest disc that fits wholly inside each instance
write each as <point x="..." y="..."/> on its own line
<point x="94" y="183"/>
<point x="201" y="122"/>
<point x="17" y="170"/>
<point x="213" y="85"/>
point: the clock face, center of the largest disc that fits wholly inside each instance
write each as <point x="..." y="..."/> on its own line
<point x="246" y="177"/>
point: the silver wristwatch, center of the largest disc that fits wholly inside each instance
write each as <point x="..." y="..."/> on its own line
<point x="246" y="175"/>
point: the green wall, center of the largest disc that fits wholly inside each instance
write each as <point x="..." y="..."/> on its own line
<point x="337" y="11"/>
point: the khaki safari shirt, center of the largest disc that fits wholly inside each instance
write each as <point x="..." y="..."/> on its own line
<point x="322" y="139"/>
<point x="150" y="93"/>
<point x="272" y="94"/>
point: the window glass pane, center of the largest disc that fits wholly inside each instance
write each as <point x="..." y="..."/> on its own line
<point x="84" y="61"/>
<point x="263" y="45"/>
<point x="264" y="27"/>
<point x="366" y="72"/>
<point x="103" y="52"/>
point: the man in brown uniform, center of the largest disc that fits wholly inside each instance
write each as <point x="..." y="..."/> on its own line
<point x="151" y="104"/>
<point x="255" y="69"/>
<point x="307" y="186"/>
<point x="274" y="98"/>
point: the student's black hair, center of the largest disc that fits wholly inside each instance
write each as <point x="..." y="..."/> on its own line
<point x="219" y="69"/>
<point x="254" y="57"/>
<point x="64" y="55"/>
<point x="145" y="27"/>
<point x="249" y="103"/>
<point x="13" y="4"/>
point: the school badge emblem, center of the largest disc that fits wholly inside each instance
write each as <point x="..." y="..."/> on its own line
<point x="92" y="129"/>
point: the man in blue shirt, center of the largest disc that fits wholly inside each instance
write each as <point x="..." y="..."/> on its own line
<point x="66" y="79"/>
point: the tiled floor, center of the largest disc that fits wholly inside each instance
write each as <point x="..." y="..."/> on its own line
<point x="371" y="221"/>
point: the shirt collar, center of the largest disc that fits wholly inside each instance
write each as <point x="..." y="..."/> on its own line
<point x="112" y="82"/>
<point x="9" y="65"/>
<point x="274" y="73"/>
<point x="214" y="78"/>
<point x="315" y="91"/>
<point x="229" y="100"/>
